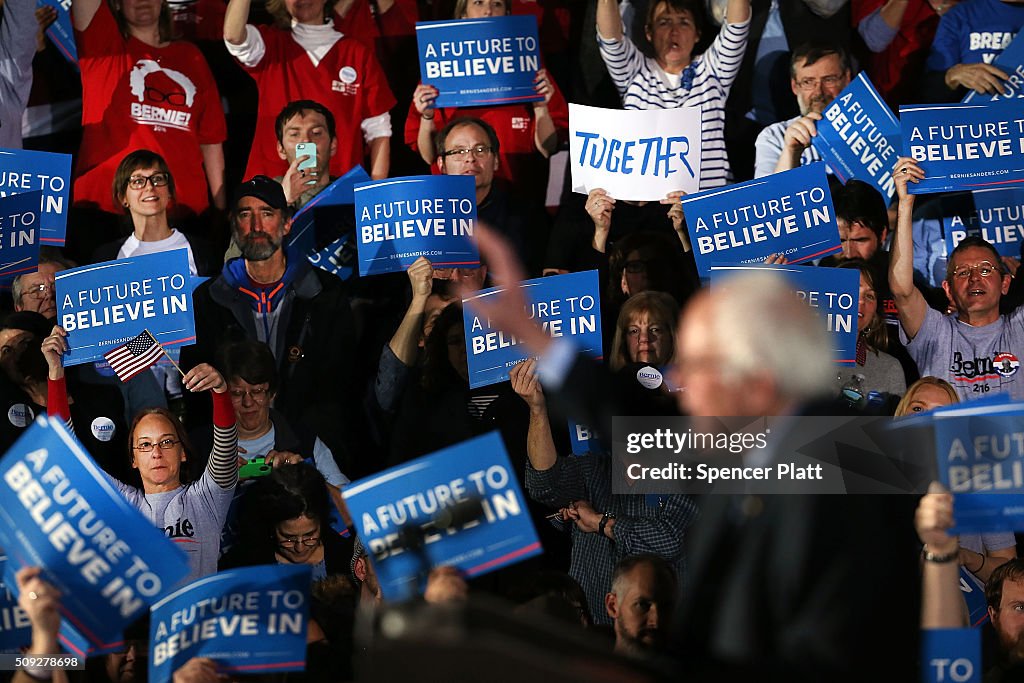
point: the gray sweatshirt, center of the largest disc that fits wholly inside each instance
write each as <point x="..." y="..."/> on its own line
<point x="17" y="47"/>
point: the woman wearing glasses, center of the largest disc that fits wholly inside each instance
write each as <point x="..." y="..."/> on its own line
<point x="143" y="90"/>
<point x="146" y="190"/>
<point x="190" y="512"/>
<point x="287" y="521"/>
<point x="529" y="133"/>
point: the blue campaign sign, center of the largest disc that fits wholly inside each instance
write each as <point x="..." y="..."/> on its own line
<point x="337" y="258"/>
<point x="951" y="654"/>
<point x="1010" y="60"/>
<point x="579" y="438"/>
<point x="338" y="193"/>
<point x="15" y="626"/>
<point x="564" y="305"/>
<point x="787" y="213"/>
<point x="461" y="505"/>
<point x="832" y="292"/>
<point x="23" y="170"/>
<point x="964" y="146"/>
<point x="980" y="455"/>
<point x="102" y="306"/>
<point x="61" y="32"/>
<point x="996" y="215"/>
<point x="248" y="620"/>
<point x="973" y="590"/>
<point x="858" y="136"/>
<point x="401" y="219"/>
<point x="480" y="62"/>
<point x="19" y="235"/>
<point x="61" y="513"/>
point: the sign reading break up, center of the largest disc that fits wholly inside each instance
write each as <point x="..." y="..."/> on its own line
<point x="635" y="154"/>
<point x="477" y="62"/>
<point x="402" y="219"/>
<point x="564" y="305"/>
<point x="105" y="305"/>
<point x="61" y="513"/>
<point x="965" y="146"/>
<point x="787" y="213"/>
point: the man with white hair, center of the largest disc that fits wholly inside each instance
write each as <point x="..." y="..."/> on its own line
<point x="791" y="587"/>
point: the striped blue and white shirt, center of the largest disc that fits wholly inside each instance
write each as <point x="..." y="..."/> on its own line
<point x="645" y="85"/>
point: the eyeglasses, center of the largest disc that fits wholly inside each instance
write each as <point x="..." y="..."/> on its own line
<point x="40" y="291"/>
<point x="257" y="394"/>
<point x="480" y="151"/>
<point x="164" y="444"/>
<point x="137" y="182"/>
<point x="985" y="269"/>
<point x="810" y="83"/>
<point x="308" y="541"/>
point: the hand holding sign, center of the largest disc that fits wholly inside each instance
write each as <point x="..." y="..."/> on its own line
<point x="542" y="84"/>
<point x="906" y="171"/>
<point x="424" y="98"/>
<point x="934" y="518"/>
<point x="798" y="136"/>
<point x="984" y="79"/>
<point x="41" y="602"/>
<point x="599" y="207"/>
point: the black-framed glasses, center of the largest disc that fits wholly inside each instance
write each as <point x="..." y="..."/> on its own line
<point x="137" y="182"/>
<point x="480" y="151"/>
<point x="308" y="541"/>
<point x="163" y="444"/>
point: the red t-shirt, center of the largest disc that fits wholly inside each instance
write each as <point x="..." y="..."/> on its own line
<point x="519" y="162"/>
<point x="348" y="81"/>
<point x="358" y="23"/>
<point x="139" y="97"/>
<point x="896" y="71"/>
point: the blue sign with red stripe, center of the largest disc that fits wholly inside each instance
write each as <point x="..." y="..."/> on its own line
<point x="402" y="219"/>
<point x="249" y="620"/>
<point x="788" y="213"/>
<point x="480" y="62"/>
<point x="564" y="305"/>
<point x="104" y="305"/>
<point x="833" y="293"/>
<point x="461" y="507"/>
<point x="20" y="233"/>
<point x="62" y="513"/>
<point x="964" y="146"/>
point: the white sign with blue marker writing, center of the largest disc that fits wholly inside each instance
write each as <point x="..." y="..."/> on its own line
<point x="636" y="154"/>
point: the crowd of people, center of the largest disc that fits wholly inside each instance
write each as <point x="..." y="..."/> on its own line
<point x="206" y="125"/>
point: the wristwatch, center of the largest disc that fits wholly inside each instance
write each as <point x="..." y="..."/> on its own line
<point x="929" y="556"/>
<point x="604" y="521"/>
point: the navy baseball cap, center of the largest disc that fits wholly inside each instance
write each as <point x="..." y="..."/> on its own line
<point x="265" y="188"/>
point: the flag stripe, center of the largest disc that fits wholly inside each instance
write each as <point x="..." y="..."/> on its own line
<point x="135" y="356"/>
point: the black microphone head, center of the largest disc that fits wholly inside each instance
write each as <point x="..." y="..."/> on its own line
<point x="459" y="514"/>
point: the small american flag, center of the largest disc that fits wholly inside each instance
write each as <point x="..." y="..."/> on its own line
<point x="135" y="356"/>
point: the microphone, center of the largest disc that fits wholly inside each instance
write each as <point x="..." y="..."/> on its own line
<point x="459" y="515"/>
